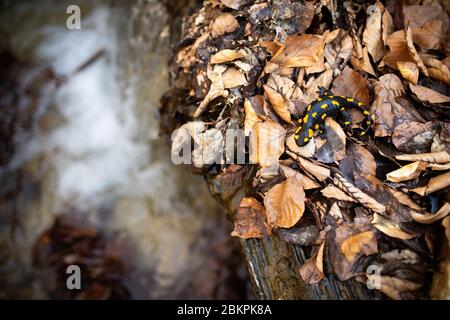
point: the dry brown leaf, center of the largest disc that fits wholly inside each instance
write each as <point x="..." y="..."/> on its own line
<point x="408" y="172"/>
<point x="405" y="199"/>
<point x="307" y="151"/>
<point x="224" y="23"/>
<point x="351" y="84"/>
<point x="428" y="95"/>
<point x="398" y="50"/>
<point x="227" y="55"/>
<point x="436" y="183"/>
<point x="434" y="157"/>
<point x="334" y="148"/>
<point x="305" y="181"/>
<point x="312" y="270"/>
<point x="413" y="52"/>
<point x="431" y="218"/>
<point x="393" y="287"/>
<point x="413" y="136"/>
<point x="389" y="227"/>
<point x="360" y="243"/>
<point x="316" y="170"/>
<point x="333" y="192"/>
<point x="266" y="143"/>
<point x="251" y="220"/>
<point x="251" y="117"/>
<point x="363" y="63"/>
<point x="215" y="90"/>
<point x="278" y="103"/>
<point x="324" y="80"/>
<point x="372" y="35"/>
<point x="232" y="78"/>
<point x="285" y="203"/>
<point x="233" y="4"/>
<point x="437" y="69"/>
<point x="409" y="71"/>
<point x="271" y="46"/>
<point x="439" y="167"/>
<point x="393" y="84"/>
<point x="305" y="50"/>
<point x="387" y="24"/>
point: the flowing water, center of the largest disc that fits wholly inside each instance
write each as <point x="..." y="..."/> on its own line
<point x="86" y="147"/>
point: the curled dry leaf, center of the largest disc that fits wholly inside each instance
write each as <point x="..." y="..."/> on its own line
<point x="389" y="227"/>
<point x="393" y="84"/>
<point x="413" y="136"/>
<point x="233" y="4"/>
<point x="428" y="95"/>
<point x="278" y="103"/>
<point x="433" y="157"/>
<point x="312" y="270"/>
<point x="431" y="218"/>
<point x="285" y="203"/>
<point x="372" y="35"/>
<point x="227" y="55"/>
<point x="224" y="23"/>
<point x="251" y="220"/>
<point x="232" y="78"/>
<point x="436" y="183"/>
<point x="266" y="143"/>
<point x="333" y="192"/>
<point x="209" y="149"/>
<point x="360" y="243"/>
<point x="320" y="172"/>
<point x="405" y="199"/>
<point x="413" y="52"/>
<point x="305" y="181"/>
<point x="393" y="287"/>
<point x="215" y="90"/>
<point x="408" y="172"/>
<point x="409" y="71"/>
<point x="398" y="50"/>
<point x="251" y="118"/>
<point x="307" y="151"/>
<point x="437" y="69"/>
<point x="334" y="148"/>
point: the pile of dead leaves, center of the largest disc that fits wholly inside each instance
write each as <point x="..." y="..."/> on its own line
<point x="376" y="203"/>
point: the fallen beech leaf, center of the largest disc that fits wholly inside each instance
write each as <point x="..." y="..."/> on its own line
<point x="215" y="90"/>
<point x="304" y="236"/>
<point x="351" y="84"/>
<point x="436" y="183"/>
<point x="408" y="172"/>
<point x="224" y="23"/>
<point x="210" y="148"/>
<point x="305" y="181"/>
<point x="413" y="136"/>
<point x="233" y="4"/>
<point x="278" y="103"/>
<point x="312" y="270"/>
<point x="437" y="70"/>
<point x="251" y="220"/>
<point x="398" y="50"/>
<point x="431" y="218"/>
<point x="428" y="95"/>
<point x="360" y="243"/>
<point x="266" y="143"/>
<point x="393" y="287"/>
<point x="409" y="71"/>
<point x="318" y="171"/>
<point x="413" y="52"/>
<point x="324" y="80"/>
<point x="271" y="46"/>
<point x="232" y="78"/>
<point x="393" y="84"/>
<point x="285" y="203"/>
<point x="405" y="199"/>
<point x="305" y="50"/>
<point x="251" y="118"/>
<point x="334" y="149"/>
<point x="439" y="167"/>
<point x="333" y="192"/>
<point x="336" y="212"/>
<point x="434" y="157"/>
<point x="307" y="151"/>
<point x="387" y="25"/>
<point x="372" y="34"/>
<point x="389" y="227"/>
<point x="227" y="55"/>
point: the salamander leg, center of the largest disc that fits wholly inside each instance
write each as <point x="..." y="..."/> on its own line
<point x="347" y="122"/>
<point x="324" y="92"/>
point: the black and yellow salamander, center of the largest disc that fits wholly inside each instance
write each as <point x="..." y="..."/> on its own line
<point x="329" y="105"/>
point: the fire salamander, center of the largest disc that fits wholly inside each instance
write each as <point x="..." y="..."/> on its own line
<point x="328" y="105"/>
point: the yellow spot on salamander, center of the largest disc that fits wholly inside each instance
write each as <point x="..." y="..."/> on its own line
<point x="300" y="121"/>
<point x="360" y="104"/>
<point x="342" y="109"/>
<point x="296" y="137"/>
<point x="298" y="130"/>
<point x="366" y="112"/>
<point x="331" y="97"/>
<point x="362" y="133"/>
<point x="314" y="114"/>
<point x="310" y="133"/>
<point x="324" y="116"/>
<point x="335" y="103"/>
<point x="347" y="123"/>
<point x="367" y="122"/>
<point x="305" y="140"/>
<point x="372" y="117"/>
<point x="305" y="119"/>
<point x="324" y="106"/>
<point x="319" y="99"/>
<point x="316" y="127"/>
<point x="309" y="108"/>
<point x="350" y="99"/>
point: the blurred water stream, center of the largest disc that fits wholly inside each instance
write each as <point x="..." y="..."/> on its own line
<point x="90" y="151"/>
